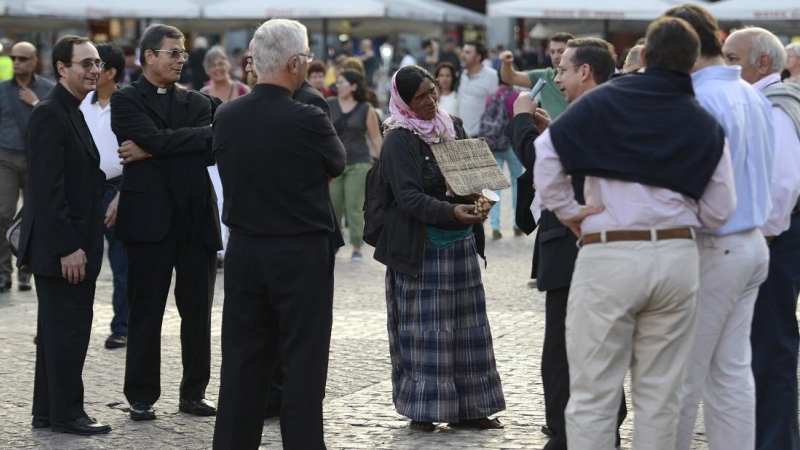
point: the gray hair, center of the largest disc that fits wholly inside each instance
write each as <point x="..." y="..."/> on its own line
<point x="794" y="47"/>
<point x="764" y="42"/>
<point x="633" y="55"/>
<point x="215" y="53"/>
<point x="275" y="42"/>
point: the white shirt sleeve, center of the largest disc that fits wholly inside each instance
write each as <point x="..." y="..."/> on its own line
<point x="785" y="184"/>
<point x="718" y="202"/>
<point x="552" y="185"/>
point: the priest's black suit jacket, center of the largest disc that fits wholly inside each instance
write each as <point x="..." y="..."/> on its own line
<point x="175" y="179"/>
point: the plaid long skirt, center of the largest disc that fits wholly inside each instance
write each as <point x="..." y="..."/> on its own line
<point x="443" y="365"/>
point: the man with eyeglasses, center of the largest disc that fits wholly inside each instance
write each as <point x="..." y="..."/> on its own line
<point x="61" y="238"/>
<point x="309" y="95"/>
<point x="18" y="96"/>
<point x="647" y="188"/>
<point x="272" y="149"/>
<point x="586" y="64"/>
<point x="167" y="217"/>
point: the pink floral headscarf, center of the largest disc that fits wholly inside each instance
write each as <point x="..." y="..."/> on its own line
<point x="440" y="128"/>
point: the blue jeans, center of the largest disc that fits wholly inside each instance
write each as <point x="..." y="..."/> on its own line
<point x="119" y="267"/>
<point x="515" y="168"/>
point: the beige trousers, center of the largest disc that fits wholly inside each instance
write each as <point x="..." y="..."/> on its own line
<point x="732" y="268"/>
<point x="631" y="305"/>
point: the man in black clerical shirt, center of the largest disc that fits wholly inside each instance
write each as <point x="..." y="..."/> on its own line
<point x="277" y="153"/>
<point x="168" y="219"/>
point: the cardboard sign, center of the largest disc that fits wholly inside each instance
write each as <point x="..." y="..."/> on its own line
<point x="468" y="166"/>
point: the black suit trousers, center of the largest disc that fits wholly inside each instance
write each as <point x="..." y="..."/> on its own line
<point x="278" y="302"/>
<point x="150" y="267"/>
<point x="555" y="370"/>
<point x="775" y="339"/>
<point x="63" y="327"/>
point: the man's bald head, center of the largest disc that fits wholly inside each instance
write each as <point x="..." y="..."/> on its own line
<point x="24" y="47"/>
<point x="24" y="56"/>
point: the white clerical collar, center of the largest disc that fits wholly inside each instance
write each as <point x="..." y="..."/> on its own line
<point x="161" y="90"/>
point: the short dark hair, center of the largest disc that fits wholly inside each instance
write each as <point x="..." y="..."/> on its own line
<point x="479" y="48"/>
<point x="114" y="59"/>
<point x="154" y="36"/>
<point x="62" y="51"/>
<point x="354" y="77"/>
<point x="671" y="44"/>
<point x="597" y="54"/>
<point x="408" y="80"/>
<point x="704" y="24"/>
<point x="317" y="66"/>
<point x="561" y="36"/>
<point x="444" y="65"/>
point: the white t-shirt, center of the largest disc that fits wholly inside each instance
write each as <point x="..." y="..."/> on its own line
<point x="408" y="60"/>
<point x="99" y="121"/>
<point x="472" y="94"/>
<point x="449" y="103"/>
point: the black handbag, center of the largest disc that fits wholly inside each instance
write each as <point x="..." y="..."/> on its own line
<point x="13" y="232"/>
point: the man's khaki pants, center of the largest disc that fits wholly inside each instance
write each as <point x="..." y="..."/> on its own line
<point x="732" y="268"/>
<point x="632" y="304"/>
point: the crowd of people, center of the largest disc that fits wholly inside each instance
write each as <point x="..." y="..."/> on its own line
<point x="665" y="198"/>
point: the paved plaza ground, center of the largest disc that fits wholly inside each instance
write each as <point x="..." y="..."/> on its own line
<point x="358" y="408"/>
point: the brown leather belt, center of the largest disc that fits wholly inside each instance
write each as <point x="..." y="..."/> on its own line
<point x="637" y="235"/>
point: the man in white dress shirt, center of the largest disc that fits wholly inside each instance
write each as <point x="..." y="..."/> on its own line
<point x="96" y="109"/>
<point x="653" y="176"/>
<point x="734" y="258"/>
<point x="774" y="335"/>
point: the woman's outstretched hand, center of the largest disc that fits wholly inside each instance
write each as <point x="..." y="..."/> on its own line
<point x="464" y="214"/>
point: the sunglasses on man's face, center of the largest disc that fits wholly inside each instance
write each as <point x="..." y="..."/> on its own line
<point x="22" y="59"/>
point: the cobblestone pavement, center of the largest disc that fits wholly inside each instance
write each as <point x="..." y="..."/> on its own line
<point x="358" y="407"/>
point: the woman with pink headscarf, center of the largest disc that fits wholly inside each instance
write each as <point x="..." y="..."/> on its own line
<point x="443" y="364"/>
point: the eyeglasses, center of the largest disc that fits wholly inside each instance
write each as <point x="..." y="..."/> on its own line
<point x="562" y="70"/>
<point x="22" y="59"/>
<point x="174" y="54"/>
<point x="87" y="64"/>
<point x="249" y="60"/>
<point x="309" y="56"/>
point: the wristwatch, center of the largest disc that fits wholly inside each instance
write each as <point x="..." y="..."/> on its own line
<point x="35" y="102"/>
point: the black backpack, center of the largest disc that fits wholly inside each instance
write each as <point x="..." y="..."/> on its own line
<point x="374" y="204"/>
<point x="494" y="121"/>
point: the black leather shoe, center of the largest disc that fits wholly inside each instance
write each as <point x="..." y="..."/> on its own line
<point x="24" y="282"/>
<point x="116" y="340"/>
<point x="40" y="422"/>
<point x="142" y="411"/>
<point x="201" y="407"/>
<point x="84" y="426"/>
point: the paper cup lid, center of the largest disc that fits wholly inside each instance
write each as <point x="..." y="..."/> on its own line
<point x="488" y="193"/>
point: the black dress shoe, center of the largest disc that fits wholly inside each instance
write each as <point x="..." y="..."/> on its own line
<point x="24" y="283"/>
<point x="40" y="422"/>
<point x="84" y="426"/>
<point x="200" y="407"/>
<point x="116" y="340"/>
<point x="142" y="411"/>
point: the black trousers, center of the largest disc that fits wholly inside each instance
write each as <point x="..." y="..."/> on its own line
<point x="63" y="327"/>
<point x="278" y="301"/>
<point x="150" y="266"/>
<point x="555" y="370"/>
<point x="775" y="339"/>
